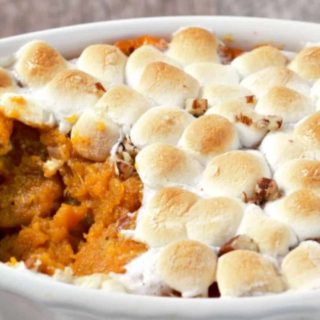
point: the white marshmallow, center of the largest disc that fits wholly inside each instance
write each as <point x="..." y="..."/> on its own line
<point x="273" y="237"/>
<point x="104" y="62"/>
<point x="93" y="136"/>
<point x="212" y="73"/>
<point x="299" y="174"/>
<point x="208" y="136"/>
<point x="193" y="44"/>
<point x="161" y="165"/>
<point x="262" y="81"/>
<point x="247" y="273"/>
<point x="139" y="59"/>
<point x="301" y="267"/>
<point x="123" y="105"/>
<point x="279" y="147"/>
<point x="160" y="124"/>
<point x="286" y="103"/>
<point x="258" y="59"/>
<point x="165" y="84"/>
<point x="37" y="63"/>
<point x="188" y="267"/>
<point x="234" y="173"/>
<point x="27" y="109"/>
<point x="214" y="221"/>
<point x="300" y="210"/>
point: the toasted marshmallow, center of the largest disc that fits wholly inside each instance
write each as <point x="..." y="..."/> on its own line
<point x="188" y="267"/>
<point x="286" y="103"/>
<point x="307" y="63"/>
<point x="160" y="124"/>
<point x="299" y="174"/>
<point x="251" y="126"/>
<point x="247" y="273"/>
<point x="123" y="104"/>
<point x="164" y="218"/>
<point x="213" y="73"/>
<point x="279" y="147"/>
<point x="234" y="173"/>
<point x="300" y="210"/>
<point x="301" y="267"/>
<point x="166" y="84"/>
<point x="215" y="220"/>
<point x="139" y="59"/>
<point x="208" y="136"/>
<point x="308" y="130"/>
<point x="193" y="44"/>
<point x="273" y="237"/>
<point x="160" y="165"/>
<point x="94" y="135"/>
<point x="6" y="82"/>
<point x="70" y="92"/>
<point x="141" y="275"/>
<point x="220" y="93"/>
<point x="257" y="59"/>
<point x="104" y="62"/>
<point x="26" y="109"/>
<point x="262" y="81"/>
<point x="37" y="63"/>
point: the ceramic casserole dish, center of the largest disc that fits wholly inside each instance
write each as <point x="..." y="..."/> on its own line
<point x="36" y="296"/>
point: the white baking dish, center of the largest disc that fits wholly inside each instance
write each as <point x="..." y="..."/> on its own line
<point x="29" y="296"/>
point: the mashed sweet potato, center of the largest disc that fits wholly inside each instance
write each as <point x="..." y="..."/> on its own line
<point x="71" y="217"/>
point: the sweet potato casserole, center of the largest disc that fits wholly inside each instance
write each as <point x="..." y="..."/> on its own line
<point x="179" y="167"/>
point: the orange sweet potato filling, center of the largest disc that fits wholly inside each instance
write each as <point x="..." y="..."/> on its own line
<point x="127" y="46"/>
<point x="71" y="218"/>
<point x="5" y="133"/>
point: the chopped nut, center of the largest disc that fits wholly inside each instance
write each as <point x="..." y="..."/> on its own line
<point x="127" y="151"/>
<point x="127" y="221"/>
<point x="271" y="123"/>
<point x="124" y="170"/>
<point x="267" y="187"/>
<point x="125" y="159"/>
<point x="251" y="99"/>
<point x="99" y="86"/>
<point x="265" y="190"/>
<point x="197" y="107"/>
<point x="244" y="119"/>
<point x="240" y="242"/>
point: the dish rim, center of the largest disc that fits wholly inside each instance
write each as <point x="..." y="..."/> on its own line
<point x="59" y="295"/>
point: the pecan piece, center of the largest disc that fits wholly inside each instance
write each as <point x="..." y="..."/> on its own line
<point x="197" y="107"/>
<point x="251" y="99"/>
<point x="125" y="159"/>
<point x="124" y="170"/>
<point x="240" y="242"/>
<point x="100" y="87"/>
<point x="244" y="119"/>
<point x="266" y="189"/>
<point x="271" y="123"/>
